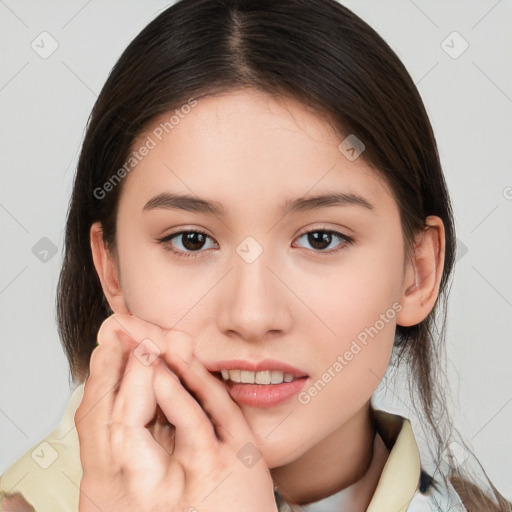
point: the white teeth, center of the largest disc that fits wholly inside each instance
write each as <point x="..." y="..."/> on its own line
<point x="277" y="377"/>
<point x="247" y="377"/>
<point x="265" y="377"/>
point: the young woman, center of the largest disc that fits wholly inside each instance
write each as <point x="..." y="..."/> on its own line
<point x="259" y="227"/>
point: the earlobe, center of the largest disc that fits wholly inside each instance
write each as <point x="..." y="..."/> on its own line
<point x="423" y="274"/>
<point x="106" y="268"/>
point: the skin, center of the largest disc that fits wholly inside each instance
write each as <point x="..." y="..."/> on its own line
<point x="295" y="303"/>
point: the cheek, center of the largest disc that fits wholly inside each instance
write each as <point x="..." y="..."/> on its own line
<point x="353" y="297"/>
<point x="362" y="360"/>
<point x="155" y="289"/>
<point x="345" y="379"/>
<point x="359" y="305"/>
<point x="347" y="374"/>
<point x="350" y="368"/>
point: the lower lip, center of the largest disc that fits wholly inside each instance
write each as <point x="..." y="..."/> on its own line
<point x="264" y="395"/>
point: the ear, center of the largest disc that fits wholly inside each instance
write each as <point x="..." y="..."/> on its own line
<point x="422" y="274"/>
<point x="107" y="269"/>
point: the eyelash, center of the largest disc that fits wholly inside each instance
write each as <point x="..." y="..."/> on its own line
<point x="195" y="254"/>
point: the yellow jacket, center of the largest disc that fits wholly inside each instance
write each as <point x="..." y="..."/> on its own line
<point x="48" y="475"/>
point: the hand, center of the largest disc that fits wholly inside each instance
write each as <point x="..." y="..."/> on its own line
<point x="160" y="433"/>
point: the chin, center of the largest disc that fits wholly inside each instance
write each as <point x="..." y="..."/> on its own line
<point x="280" y="454"/>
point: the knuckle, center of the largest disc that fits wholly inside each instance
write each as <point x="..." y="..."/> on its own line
<point x="98" y="360"/>
<point x="88" y="480"/>
<point x="109" y="327"/>
<point x="104" y="358"/>
<point x="81" y="410"/>
<point x="106" y="325"/>
<point x="76" y="418"/>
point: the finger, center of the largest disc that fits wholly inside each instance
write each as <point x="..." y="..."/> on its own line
<point x="225" y="414"/>
<point x="194" y="432"/>
<point x="135" y="406"/>
<point x="139" y="330"/>
<point x="116" y="336"/>
<point x="180" y="343"/>
<point x="106" y="367"/>
<point x="135" y="403"/>
<point x="130" y="328"/>
<point x="93" y="415"/>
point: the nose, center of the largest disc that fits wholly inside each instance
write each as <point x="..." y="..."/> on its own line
<point x="255" y="302"/>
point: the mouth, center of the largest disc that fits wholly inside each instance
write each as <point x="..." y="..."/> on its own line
<point x="265" y="384"/>
<point x="266" y="377"/>
<point x="265" y="372"/>
<point x="263" y="396"/>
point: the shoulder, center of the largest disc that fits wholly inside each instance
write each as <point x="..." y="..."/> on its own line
<point x="48" y="475"/>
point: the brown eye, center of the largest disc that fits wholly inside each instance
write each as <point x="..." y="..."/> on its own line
<point x="321" y="239"/>
<point x="185" y="243"/>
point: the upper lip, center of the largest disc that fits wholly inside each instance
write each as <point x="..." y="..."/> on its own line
<point x="256" y="366"/>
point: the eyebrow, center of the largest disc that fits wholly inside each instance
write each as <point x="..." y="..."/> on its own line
<point x="170" y="201"/>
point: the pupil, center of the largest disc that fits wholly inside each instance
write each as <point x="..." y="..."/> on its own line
<point x="318" y="241"/>
<point x="191" y="241"/>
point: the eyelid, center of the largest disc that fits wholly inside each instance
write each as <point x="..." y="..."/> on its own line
<point x="322" y="227"/>
<point x="346" y="239"/>
<point x="165" y="241"/>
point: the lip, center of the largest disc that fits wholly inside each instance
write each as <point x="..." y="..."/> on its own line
<point x="264" y="396"/>
<point x="257" y="366"/>
<point x="260" y="395"/>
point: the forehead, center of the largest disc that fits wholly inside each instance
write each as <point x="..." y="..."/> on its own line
<point x="243" y="145"/>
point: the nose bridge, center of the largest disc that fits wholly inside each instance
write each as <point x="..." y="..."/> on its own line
<point x="255" y="302"/>
<point x="253" y="288"/>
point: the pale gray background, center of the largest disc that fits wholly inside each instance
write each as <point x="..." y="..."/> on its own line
<point x="45" y="104"/>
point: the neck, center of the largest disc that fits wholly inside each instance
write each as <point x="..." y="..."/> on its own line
<point x="338" y="461"/>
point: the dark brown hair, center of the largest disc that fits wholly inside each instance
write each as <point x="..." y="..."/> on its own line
<point x="317" y="52"/>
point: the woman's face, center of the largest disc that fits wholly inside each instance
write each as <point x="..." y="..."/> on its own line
<point x="256" y="286"/>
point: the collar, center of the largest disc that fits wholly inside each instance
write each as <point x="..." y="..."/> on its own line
<point x="401" y="473"/>
<point x="48" y="475"/>
<point x="399" y="477"/>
